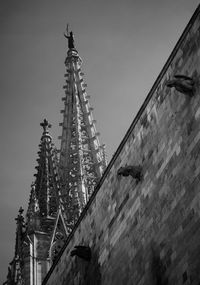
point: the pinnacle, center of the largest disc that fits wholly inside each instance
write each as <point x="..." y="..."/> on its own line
<point x="21" y="210"/>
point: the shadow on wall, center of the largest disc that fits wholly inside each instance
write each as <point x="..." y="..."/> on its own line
<point x="158" y="268"/>
<point x="92" y="274"/>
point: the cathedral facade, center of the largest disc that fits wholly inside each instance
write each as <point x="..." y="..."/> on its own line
<point x="137" y="221"/>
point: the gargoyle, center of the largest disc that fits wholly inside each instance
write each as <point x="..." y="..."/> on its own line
<point x="134" y="171"/>
<point x="183" y="84"/>
<point x="81" y="251"/>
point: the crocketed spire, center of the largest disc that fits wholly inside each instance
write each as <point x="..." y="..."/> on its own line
<point x="82" y="158"/>
<point x="44" y="192"/>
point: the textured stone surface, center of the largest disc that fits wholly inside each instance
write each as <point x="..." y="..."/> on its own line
<point x="148" y="232"/>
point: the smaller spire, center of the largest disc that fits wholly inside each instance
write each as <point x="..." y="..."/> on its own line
<point x="44" y="192"/>
<point x="70" y="37"/>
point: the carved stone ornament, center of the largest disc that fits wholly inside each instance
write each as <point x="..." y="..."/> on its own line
<point x="183" y="84"/>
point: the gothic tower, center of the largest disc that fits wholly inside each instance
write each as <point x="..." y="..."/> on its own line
<point x="82" y="158"/>
<point x="63" y="186"/>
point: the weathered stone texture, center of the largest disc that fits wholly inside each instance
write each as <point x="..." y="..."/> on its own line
<point x="148" y="232"/>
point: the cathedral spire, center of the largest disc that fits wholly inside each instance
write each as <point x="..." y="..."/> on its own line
<point x="82" y="159"/>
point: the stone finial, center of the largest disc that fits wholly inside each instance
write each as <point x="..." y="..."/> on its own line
<point x="183" y="84"/>
<point x="45" y="125"/>
<point x="134" y="171"/>
<point x="81" y="251"/>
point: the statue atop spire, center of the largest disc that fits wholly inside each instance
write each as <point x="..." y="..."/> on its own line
<point x="70" y="37"/>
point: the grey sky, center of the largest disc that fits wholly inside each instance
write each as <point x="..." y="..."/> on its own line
<point x="123" y="44"/>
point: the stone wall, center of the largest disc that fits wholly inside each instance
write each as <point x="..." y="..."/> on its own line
<point x="147" y="232"/>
